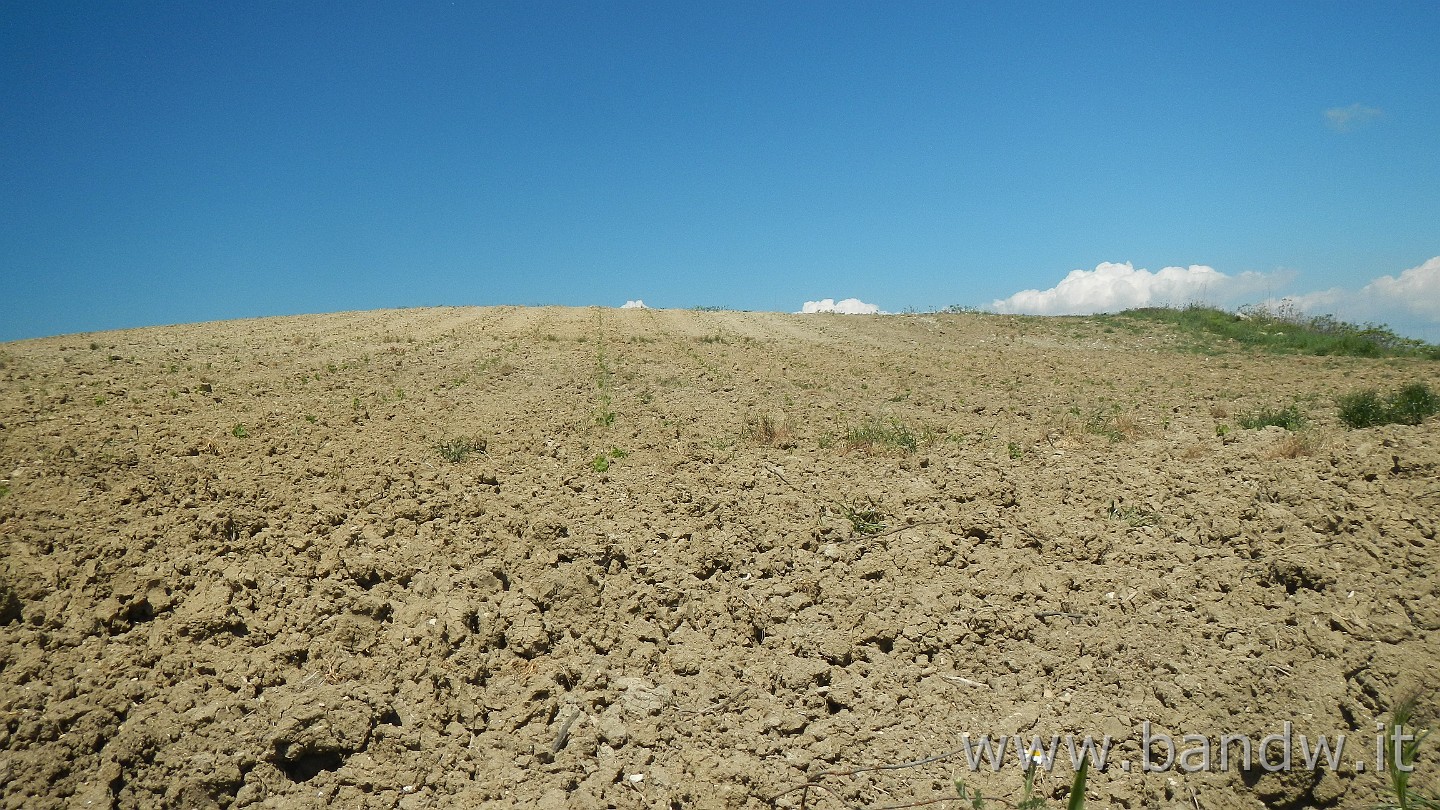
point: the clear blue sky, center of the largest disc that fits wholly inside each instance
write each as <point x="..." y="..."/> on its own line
<point x="175" y="162"/>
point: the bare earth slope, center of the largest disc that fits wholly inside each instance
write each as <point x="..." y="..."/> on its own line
<point x="703" y="557"/>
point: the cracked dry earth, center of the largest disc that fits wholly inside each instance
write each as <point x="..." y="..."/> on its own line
<point x="700" y="558"/>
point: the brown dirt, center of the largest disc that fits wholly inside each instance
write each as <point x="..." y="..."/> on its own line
<point x="238" y="571"/>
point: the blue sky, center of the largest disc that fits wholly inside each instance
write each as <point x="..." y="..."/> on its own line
<point x="176" y="162"/>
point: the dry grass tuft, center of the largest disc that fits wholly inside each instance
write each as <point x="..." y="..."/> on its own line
<point x="769" y="431"/>
<point x="1194" y="451"/>
<point x="1294" y="445"/>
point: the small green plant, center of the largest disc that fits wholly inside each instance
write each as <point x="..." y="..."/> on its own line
<point x="1109" y="421"/>
<point x="866" y="519"/>
<point x="1414" y="403"/>
<point x="1290" y="417"/>
<point x="457" y="450"/>
<point x="4" y="490"/>
<point x="1222" y="430"/>
<point x="1402" y="745"/>
<point x="602" y="461"/>
<point x="311" y="418"/>
<point x="879" y="434"/>
<point x="1028" y="800"/>
<point x="1133" y="515"/>
<point x="1015" y="451"/>
<point x="604" y="415"/>
<point x="240" y="432"/>
<point x="1410" y="405"/>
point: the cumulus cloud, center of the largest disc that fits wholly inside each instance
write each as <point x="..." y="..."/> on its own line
<point x="636" y="304"/>
<point x="1113" y="286"/>
<point x="1416" y="290"/>
<point x="1344" y="119"/>
<point x="1408" y="302"/>
<point x="1413" y="295"/>
<point x="849" y="306"/>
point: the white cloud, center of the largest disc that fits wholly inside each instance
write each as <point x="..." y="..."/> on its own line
<point x="636" y="304"/>
<point x="1344" y="119"/>
<point x="1413" y="295"/>
<point x="1416" y="291"/>
<point x="849" y="306"/>
<point x="1112" y="286"/>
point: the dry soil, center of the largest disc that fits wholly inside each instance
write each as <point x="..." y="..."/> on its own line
<point x="555" y="558"/>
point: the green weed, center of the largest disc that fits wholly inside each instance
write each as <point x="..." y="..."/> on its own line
<point x="457" y="450"/>
<point x="880" y="434"/>
<point x="1107" y="420"/>
<point x="1132" y="515"/>
<point x="1402" y="746"/>
<point x="240" y="432"/>
<point x="604" y="414"/>
<point x="1075" y="799"/>
<point x="866" y="519"/>
<point x="602" y="461"/>
<point x="1290" y="417"/>
<point x="1410" y="405"/>
<point x="1286" y="330"/>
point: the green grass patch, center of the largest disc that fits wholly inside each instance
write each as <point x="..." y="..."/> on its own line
<point x="1108" y="420"/>
<point x="1284" y="330"/>
<point x="456" y="451"/>
<point x="882" y="434"/>
<point x="1290" y="417"/>
<point x="1410" y="405"/>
